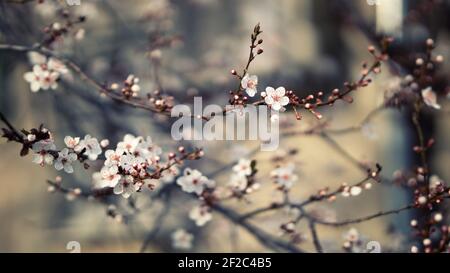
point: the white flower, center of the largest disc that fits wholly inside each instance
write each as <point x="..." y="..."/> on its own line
<point x="91" y="146"/>
<point x="249" y="83"/>
<point x="181" y="239"/>
<point x="284" y="176"/>
<point x="194" y="181"/>
<point x="43" y="158"/>
<point x="129" y="161"/>
<point x="238" y="182"/>
<point x="128" y="144"/>
<point x="125" y="187"/>
<point x="57" y="66"/>
<point x="276" y="98"/>
<point x="34" y="78"/>
<point x="243" y="167"/>
<point x="170" y="174"/>
<point x="110" y="176"/>
<point x="41" y="149"/>
<point x="430" y="99"/>
<point x="112" y="158"/>
<point x="148" y="150"/>
<point x="201" y="215"/>
<point x="49" y="80"/>
<point x="71" y="142"/>
<point x="64" y="160"/>
<point x="44" y="145"/>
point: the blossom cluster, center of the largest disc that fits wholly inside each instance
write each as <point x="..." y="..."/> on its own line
<point x="45" y="151"/>
<point x="130" y="166"/>
<point x="276" y="99"/>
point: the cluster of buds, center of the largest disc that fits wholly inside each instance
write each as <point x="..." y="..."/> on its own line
<point x="239" y="97"/>
<point x="27" y="137"/>
<point x="314" y="101"/>
<point x="130" y="87"/>
<point x="424" y="197"/>
<point x="57" y="30"/>
<point x="348" y="190"/>
<point x="160" y="102"/>
<point x="425" y="65"/>
<point x="434" y="236"/>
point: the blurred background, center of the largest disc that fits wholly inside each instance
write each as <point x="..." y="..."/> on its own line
<point x="187" y="48"/>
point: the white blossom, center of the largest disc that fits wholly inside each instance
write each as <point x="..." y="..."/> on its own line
<point x="148" y="150"/>
<point x="34" y="78"/>
<point x="71" y="142"/>
<point x="128" y="144"/>
<point x="243" y="167"/>
<point x="249" y="83"/>
<point x="41" y="148"/>
<point x="201" y="215"/>
<point x="181" y="239"/>
<point x="64" y="160"/>
<point x="194" y="181"/>
<point x="284" y="176"/>
<point x="112" y="158"/>
<point x="110" y="176"/>
<point x="238" y="182"/>
<point x="91" y="146"/>
<point x="276" y="98"/>
<point x="57" y="66"/>
<point x="125" y="187"/>
<point x="430" y="98"/>
<point x="128" y="162"/>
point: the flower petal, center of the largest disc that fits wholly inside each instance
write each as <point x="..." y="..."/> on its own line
<point x="280" y="91"/>
<point x="284" y="101"/>
<point x="268" y="100"/>
<point x="270" y="91"/>
<point x="276" y="106"/>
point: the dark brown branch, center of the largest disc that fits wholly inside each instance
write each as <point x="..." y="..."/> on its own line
<point x="316" y="241"/>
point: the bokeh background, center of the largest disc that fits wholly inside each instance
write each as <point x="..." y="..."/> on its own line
<point x="308" y="46"/>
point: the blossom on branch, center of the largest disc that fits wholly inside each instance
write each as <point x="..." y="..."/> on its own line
<point x="194" y="181"/>
<point x="65" y="160"/>
<point x="284" y="176"/>
<point x="249" y="83"/>
<point x="275" y="98"/>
